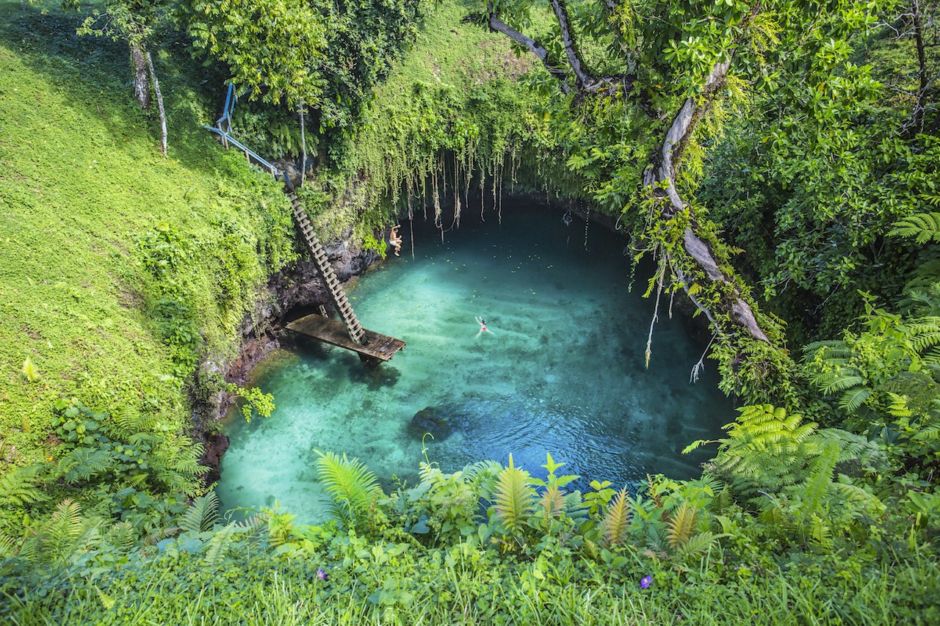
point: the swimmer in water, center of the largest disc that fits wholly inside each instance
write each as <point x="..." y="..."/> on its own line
<point x="483" y="328"/>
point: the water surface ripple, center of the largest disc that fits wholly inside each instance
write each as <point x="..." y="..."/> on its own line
<point x="561" y="372"/>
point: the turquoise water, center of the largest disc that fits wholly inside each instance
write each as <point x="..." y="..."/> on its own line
<point x="562" y="370"/>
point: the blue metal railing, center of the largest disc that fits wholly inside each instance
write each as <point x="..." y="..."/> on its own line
<point x="223" y="128"/>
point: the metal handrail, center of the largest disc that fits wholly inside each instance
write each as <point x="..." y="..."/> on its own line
<point x="251" y="154"/>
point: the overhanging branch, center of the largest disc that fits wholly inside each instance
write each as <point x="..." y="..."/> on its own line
<point x="585" y="82"/>
<point x="661" y="178"/>
<point x="529" y="44"/>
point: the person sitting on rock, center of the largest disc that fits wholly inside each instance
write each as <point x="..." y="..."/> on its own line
<point x="394" y="239"/>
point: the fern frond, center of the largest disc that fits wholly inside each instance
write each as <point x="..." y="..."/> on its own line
<point x="817" y="483"/>
<point x="18" y="487"/>
<point x="616" y="519"/>
<point x="8" y="547"/>
<point x="833" y="349"/>
<point x="82" y="464"/>
<point x="854" y="398"/>
<point x="202" y="514"/>
<point x="353" y="487"/>
<point x="514" y="497"/>
<point x="57" y="537"/>
<point x="859" y="500"/>
<point x="551" y="503"/>
<point x="218" y="543"/>
<point x="681" y="526"/>
<point x="697" y="544"/>
<point x="853" y="447"/>
<point x="921" y="227"/>
<point x="122" y="536"/>
<point x="924" y="341"/>
<point x="841" y="383"/>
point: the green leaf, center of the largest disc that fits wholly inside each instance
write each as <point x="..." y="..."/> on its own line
<point x="29" y="370"/>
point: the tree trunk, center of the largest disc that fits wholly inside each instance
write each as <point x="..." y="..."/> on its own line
<point x="162" y="111"/>
<point x="141" y="83"/>
<point x="661" y="178"/>
<point x="303" y="147"/>
<point x="922" y="75"/>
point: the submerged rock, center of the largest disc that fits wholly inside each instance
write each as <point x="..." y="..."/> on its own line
<point x="431" y="420"/>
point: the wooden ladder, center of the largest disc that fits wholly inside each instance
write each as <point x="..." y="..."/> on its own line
<point x="337" y="293"/>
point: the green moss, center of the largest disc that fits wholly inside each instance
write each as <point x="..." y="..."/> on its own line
<point x="92" y="223"/>
<point x="451" y="109"/>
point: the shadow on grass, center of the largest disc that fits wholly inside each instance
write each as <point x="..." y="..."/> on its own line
<point x="94" y="75"/>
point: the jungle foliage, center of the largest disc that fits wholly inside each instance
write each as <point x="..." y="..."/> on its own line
<point x="791" y="145"/>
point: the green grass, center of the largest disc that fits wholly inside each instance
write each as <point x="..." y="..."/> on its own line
<point x="454" y="92"/>
<point x="465" y="585"/>
<point x="81" y="182"/>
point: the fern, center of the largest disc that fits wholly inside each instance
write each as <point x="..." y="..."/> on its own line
<point x="514" y="497"/>
<point x="551" y="503"/>
<point x="854" y="398"/>
<point x="616" y="519"/>
<point x="218" y="543"/>
<point x="852" y="447"/>
<point x="921" y="227"/>
<point x="122" y="536"/>
<point x="55" y="539"/>
<point x="202" y="514"/>
<point x="857" y="500"/>
<point x="766" y="448"/>
<point x="817" y="483"/>
<point x="681" y="526"/>
<point x="8" y="547"/>
<point x="696" y="545"/>
<point x="82" y="464"/>
<point x="352" y="486"/>
<point x="18" y="487"/>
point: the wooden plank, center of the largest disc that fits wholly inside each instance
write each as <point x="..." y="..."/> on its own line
<point x="333" y="332"/>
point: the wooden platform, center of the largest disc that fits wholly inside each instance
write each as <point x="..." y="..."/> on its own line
<point x="333" y="332"/>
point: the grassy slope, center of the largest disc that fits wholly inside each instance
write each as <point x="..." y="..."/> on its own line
<point x="388" y="583"/>
<point x="453" y="83"/>
<point x="81" y="178"/>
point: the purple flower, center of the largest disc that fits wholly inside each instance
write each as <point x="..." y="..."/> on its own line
<point x="321" y="574"/>
<point x="646" y="581"/>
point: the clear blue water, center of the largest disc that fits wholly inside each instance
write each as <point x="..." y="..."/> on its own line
<point x="562" y="371"/>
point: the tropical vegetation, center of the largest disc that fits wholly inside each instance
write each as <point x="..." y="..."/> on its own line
<point x="775" y="160"/>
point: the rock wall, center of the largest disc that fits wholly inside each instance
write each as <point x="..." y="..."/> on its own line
<point x="296" y="289"/>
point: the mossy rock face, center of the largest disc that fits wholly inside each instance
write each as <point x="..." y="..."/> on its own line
<point x="431" y="420"/>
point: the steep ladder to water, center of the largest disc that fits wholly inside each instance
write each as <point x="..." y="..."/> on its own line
<point x="370" y="346"/>
<point x="337" y="293"/>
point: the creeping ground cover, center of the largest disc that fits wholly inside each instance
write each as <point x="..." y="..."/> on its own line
<point x="771" y="167"/>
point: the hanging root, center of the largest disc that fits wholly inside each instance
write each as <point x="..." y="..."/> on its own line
<point x="659" y="291"/>
<point x="587" y="222"/>
<point x="699" y="367"/>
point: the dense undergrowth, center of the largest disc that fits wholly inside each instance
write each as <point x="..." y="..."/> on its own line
<point x="119" y="270"/>
<point x="820" y="505"/>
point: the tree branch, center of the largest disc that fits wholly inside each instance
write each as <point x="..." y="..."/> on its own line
<point x="529" y="44"/>
<point x="585" y="83"/>
<point x="661" y="178"/>
<point x="571" y="48"/>
<point x="923" y="79"/>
